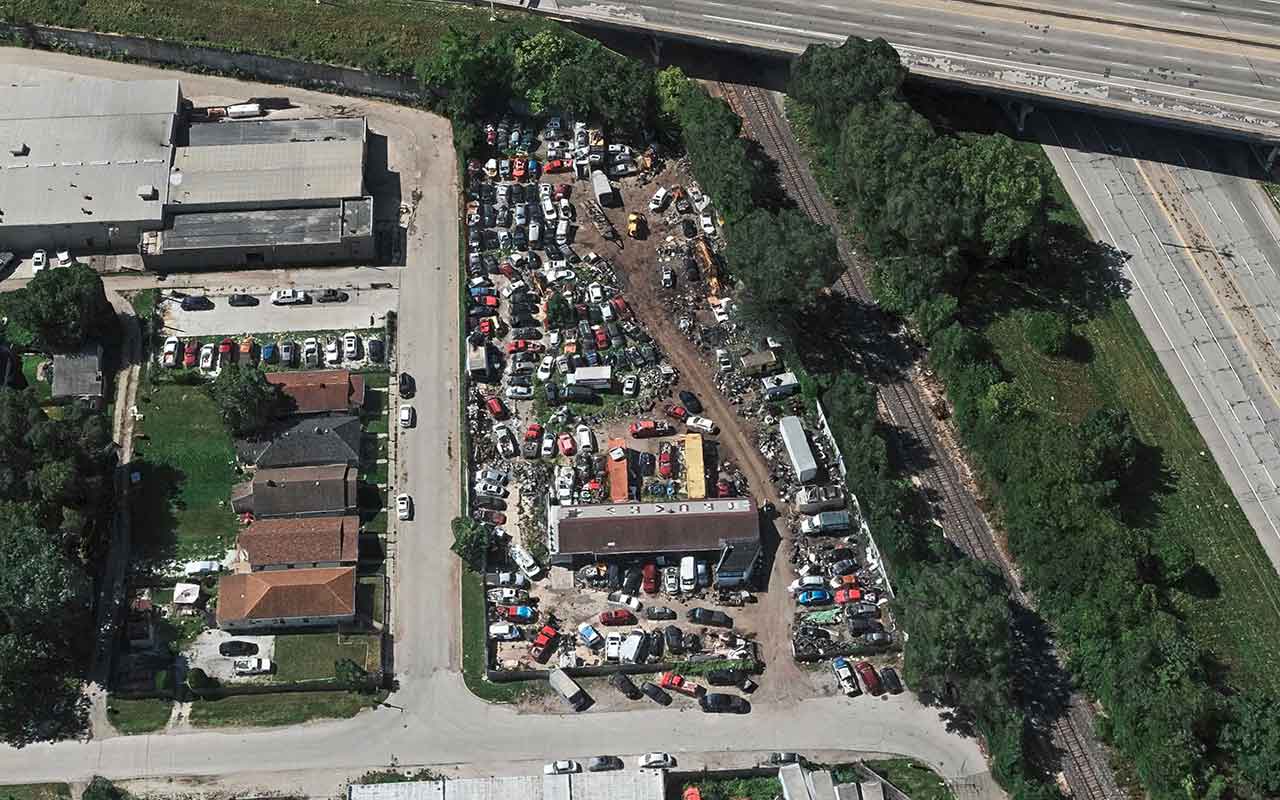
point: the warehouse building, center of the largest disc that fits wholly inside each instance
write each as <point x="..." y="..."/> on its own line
<point x="725" y="532"/>
<point x="99" y="166"/>
<point x="621" y="785"/>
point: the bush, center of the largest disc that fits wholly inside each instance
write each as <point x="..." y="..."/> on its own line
<point x="1048" y="332"/>
<point x="198" y="680"/>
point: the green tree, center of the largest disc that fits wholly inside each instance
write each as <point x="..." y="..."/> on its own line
<point x="670" y="87"/>
<point x="936" y="313"/>
<point x="40" y="588"/>
<point x="830" y="80"/>
<point x="198" y="680"/>
<point x="536" y="66"/>
<point x="470" y="542"/>
<point x="1048" y="332"/>
<point x="65" y="308"/>
<point x="559" y="312"/>
<point x="783" y="261"/>
<point x="245" y="398"/>
<point x="1012" y="188"/>
<point x="352" y="676"/>
<point x="39" y="695"/>
<point x="1252" y="734"/>
<point x="102" y="789"/>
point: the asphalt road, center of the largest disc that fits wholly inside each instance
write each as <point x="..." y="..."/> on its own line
<point x="432" y="718"/>
<point x="1216" y="62"/>
<point x="1203" y="261"/>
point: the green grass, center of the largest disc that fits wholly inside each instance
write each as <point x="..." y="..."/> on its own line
<point x="376" y="524"/>
<point x="374" y="473"/>
<point x="30" y="362"/>
<point x="380" y="35"/>
<point x="140" y="716"/>
<point x="761" y="788"/>
<point x="293" y="708"/>
<point x="473" y="647"/>
<point x="182" y="507"/>
<point x="311" y="656"/>
<point x="1273" y="191"/>
<point x="144" y="303"/>
<point x="371" y="598"/>
<point x="377" y="378"/>
<point x="914" y="779"/>
<point x="35" y="791"/>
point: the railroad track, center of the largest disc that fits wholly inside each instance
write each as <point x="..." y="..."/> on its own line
<point x="1084" y="763"/>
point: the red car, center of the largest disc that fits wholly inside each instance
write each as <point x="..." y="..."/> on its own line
<point x="524" y="346"/>
<point x="514" y="613"/>
<point x="485" y="515"/>
<point x="487" y="301"/>
<point x="723" y="489"/>
<point x="518" y="168"/>
<point x="649" y="583"/>
<point x="619" y="305"/>
<point x="665" y="460"/>
<point x="497" y="409"/>
<point x="490" y="134"/>
<point x="190" y="353"/>
<point x="850" y="595"/>
<point x="533" y="433"/>
<point x="602" y="339"/>
<point x="648" y="428"/>
<point x="558" y="165"/>
<point x="845" y="581"/>
<point x="678" y="683"/>
<point x="869" y="677"/>
<point x="543" y="644"/>
<point x="567" y="447"/>
<point x="675" y="412"/>
<point x="226" y="351"/>
<point x="488" y="326"/>
<point x="562" y="191"/>
<point x="617" y="616"/>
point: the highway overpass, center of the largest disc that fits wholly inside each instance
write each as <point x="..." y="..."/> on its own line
<point x="1200" y="64"/>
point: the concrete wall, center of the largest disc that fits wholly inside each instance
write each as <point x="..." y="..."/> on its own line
<point x="266" y="68"/>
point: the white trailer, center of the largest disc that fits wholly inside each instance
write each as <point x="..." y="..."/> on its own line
<point x="603" y="189"/>
<point x="793" y="438"/>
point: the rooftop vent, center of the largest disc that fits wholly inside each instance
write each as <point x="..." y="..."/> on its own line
<point x="148" y="192"/>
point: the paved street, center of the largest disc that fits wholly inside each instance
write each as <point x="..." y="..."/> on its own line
<point x="1203" y="262"/>
<point x="432" y="718"/>
<point x="366" y="308"/>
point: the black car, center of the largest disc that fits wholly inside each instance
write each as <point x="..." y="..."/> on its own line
<point x="688" y="228"/>
<point x="655" y="643"/>
<point x="405" y="385"/>
<point x="656" y="693"/>
<point x="580" y="394"/>
<point x="526" y="333"/>
<point x="716" y="703"/>
<point x="492" y="503"/>
<point x="659" y="612"/>
<point x="377" y="351"/>
<point x="690" y="401"/>
<point x="692" y="644"/>
<point x="530" y="450"/>
<point x="647" y="464"/>
<point x="605" y="763"/>
<point x="242" y="300"/>
<point x="705" y="616"/>
<point x="631" y="580"/>
<point x="332" y="296"/>
<point x="725" y="677"/>
<point x="520" y="380"/>
<point x="553" y="394"/>
<point x="892" y="683"/>
<point x="196" y="303"/>
<point x="236" y="648"/>
<point x="675" y="640"/>
<point x="623" y="684"/>
<point x="8" y="262"/>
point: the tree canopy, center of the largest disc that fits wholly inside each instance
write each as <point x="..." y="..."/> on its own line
<point x="782" y="261"/>
<point x="247" y="401"/>
<point x="470" y="542"/>
<point x="830" y="80"/>
<point x="65" y="308"/>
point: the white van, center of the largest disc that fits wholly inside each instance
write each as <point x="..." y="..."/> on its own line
<point x="688" y="574"/>
<point x="586" y="441"/>
<point x="562" y="232"/>
<point x="659" y="199"/>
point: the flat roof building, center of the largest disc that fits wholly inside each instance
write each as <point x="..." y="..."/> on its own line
<point x="263" y="176"/>
<point x="78" y="376"/>
<point x="621" y="785"/>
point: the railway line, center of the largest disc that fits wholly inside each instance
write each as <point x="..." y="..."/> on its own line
<point x="1083" y="761"/>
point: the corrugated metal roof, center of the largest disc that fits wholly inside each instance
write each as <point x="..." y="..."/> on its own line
<point x="410" y="790"/>
<point x="823" y="787"/>
<point x="847" y="791"/>
<point x="677" y="526"/>
<point x="267" y="173"/>
<point x="624" y="785"/>
<point x="264" y="131"/>
<point x="75" y="97"/>
<point x="872" y="790"/>
<point x="794" y="786"/>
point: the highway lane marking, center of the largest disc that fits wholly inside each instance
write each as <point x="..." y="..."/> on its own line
<point x="767" y="26"/>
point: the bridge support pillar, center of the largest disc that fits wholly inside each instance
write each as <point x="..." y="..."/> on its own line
<point x="1269" y="156"/>
<point x="1017" y="111"/>
<point x="655" y="50"/>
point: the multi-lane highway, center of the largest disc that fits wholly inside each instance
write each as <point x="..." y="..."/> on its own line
<point x="1195" y="61"/>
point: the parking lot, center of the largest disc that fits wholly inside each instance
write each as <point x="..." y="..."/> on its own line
<point x="203" y="654"/>
<point x="364" y="308"/>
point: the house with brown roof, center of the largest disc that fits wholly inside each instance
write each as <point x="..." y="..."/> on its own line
<point x="287" y="598"/>
<point x="299" y="543"/>
<point x="326" y="391"/>
<point x="325" y="490"/>
<point x="724" y="531"/>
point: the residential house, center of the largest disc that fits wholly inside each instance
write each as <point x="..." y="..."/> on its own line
<point x="329" y="391"/>
<point x="325" y="490"/>
<point x="78" y="376"/>
<point x="287" y="598"/>
<point x="305" y="441"/>
<point x="302" y="543"/>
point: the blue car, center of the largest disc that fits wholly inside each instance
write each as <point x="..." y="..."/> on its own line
<point x="531" y="169"/>
<point x="270" y="353"/>
<point x="815" y="597"/>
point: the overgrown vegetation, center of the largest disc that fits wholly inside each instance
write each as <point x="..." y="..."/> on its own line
<point x="63" y="309"/>
<point x="964" y="233"/>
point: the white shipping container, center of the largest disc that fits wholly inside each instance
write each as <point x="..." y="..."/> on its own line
<point x="244" y="111"/>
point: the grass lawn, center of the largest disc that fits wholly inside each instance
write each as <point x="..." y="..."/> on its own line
<point x="30" y="362"/>
<point x="374" y="473"/>
<point x="914" y="779"/>
<point x="292" y="708"/>
<point x="761" y="788"/>
<point x="377" y="523"/>
<point x="473" y="647"/>
<point x="144" y="303"/>
<point x="35" y="791"/>
<point x="376" y="378"/>
<point x="311" y="656"/>
<point x="140" y="716"/>
<point x="182" y="507"/>
<point x="371" y="598"/>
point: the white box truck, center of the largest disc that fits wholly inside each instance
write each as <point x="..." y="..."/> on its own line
<point x="688" y="574"/>
<point x="826" y="522"/>
<point x="603" y="189"/>
<point x="793" y="439"/>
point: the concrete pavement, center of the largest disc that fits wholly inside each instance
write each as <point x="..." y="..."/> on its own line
<point x="432" y="718"/>
<point x="365" y="308"/>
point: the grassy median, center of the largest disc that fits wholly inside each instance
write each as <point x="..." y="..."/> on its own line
<point x="266" y="710"/>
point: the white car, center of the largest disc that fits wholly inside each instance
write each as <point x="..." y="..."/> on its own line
<point x="561" y="768"/>
<point x="544" y="191"/>
<point x="586" y="439"/>
<point x="505" y="440"/>
<point x="618" y="454"/>
<point x="546" y="368"/>
<point x="613" y="647"/>
<point x="631" y="386"/>
<point x="288" y="297"/>
<point x="493" y="475"/>
<point x="169" y="356"/>
<point x="404" y="507"/>
<point x="535" y="232"/>
<point x="193" y="568"/>
<point x="311" y="352"/>
<point x="332" y="353"/>
<point x="251" y="666"/>
<point x="39" y="262"/>
<point x="491" y="489"/>
<point x="659" y="199"/>
<point x="350" y="346"/>
<point x="407" y="416"/>
<point x="519" y="392"/>
<point x="516" y="580"/>
<point x="504" y="632"/>
<point x="671" y="580"/>
<point x="656" y="761"/>
<point x="810" y="582"/>
<point x="207" y="354"/>
<point x="625" y="600"/>
<point x="526" y="562"/>
<point x="566" y="209"/>
<point x="844" y="676"/>
<point x="595" y="293"/>
<point x="512" y="288"/>
<point x="549" y="209"/>
<point x="700" y="424"/>
<point x="589" y="635"/>
<point x="708" y="225"/>
<point x="548" y="444"/>
<point x="668" y="278"/>
<point x="65" y="259"/>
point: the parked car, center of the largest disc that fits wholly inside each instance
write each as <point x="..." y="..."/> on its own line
<point x="40" y="262"/>
<point x="497" y="409"/>
<point x="869" y="677"/>
<point x="626" y="600"/>
<point x="589" y="635"/>
<point x="604" y="763"/>
<point x="675" y="412"/>
<point x="311" y="352"/>
<point x="515" y="613"/>
<point x="659" y="613"/>
<point x="679" y="683"/>
<point x="660" y="697"/>
<point x="65" y="259"/>
<point x="331" y="296"/>
<point x="251" y="666"/>
<point x="666" y="460"/>
<point x="241" y="300"/>
<point x="701" y="424"/>
<point x="779" y="759"/>
<point x="505" y="632"/>
<point x="236" y="648"/>
<point x="691" y="401"/>
<point x="332" y="353"/>
<point x="404" y="507"/>
<point x="892" y="683"/>
<point x="377" y="350"/>
<point x="169" y="354"/>
<point x="526" y="562"/>
<point x="844" y="676"/>
<point x="405" y="385"/>
<point x="814" y="597"/>
<point x="717" y="703"/>
<point x="196" y="568"/>
<point x="705" y="616"/>
<point x="191" y="354"/>
<point x="561" y="768"/>
<point x="657" y="760"/>
<point x="196" y="303"/>
<point x="617" y="616"/>
<point x="207" y="357"/>
<point x="625" y="685"/>
<point x="408" y="417"/>
<point x="289" y="297"/>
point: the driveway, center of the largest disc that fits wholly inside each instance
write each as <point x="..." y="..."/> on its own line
<point x="365" y="308"/>
<point x="432" y="717"/>
<point x="203" y="652"/>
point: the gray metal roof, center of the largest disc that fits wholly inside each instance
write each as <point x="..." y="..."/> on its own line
<point x="78" y="374"/>
<point x="678" y="526"/>
<point x="823" y="787"/>
<point x="208" y="230"/>
<point x="260" y="131"/>
<point x="78" y="150"/>
<point x="288" y="173"/>
<point x="624" y="785"/>
<point x="794" y="785"/>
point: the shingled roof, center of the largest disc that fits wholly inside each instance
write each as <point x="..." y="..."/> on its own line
<point x="306" y="441"/>
<point x="320" y="391"/>
<point x="297" y="491"/>
<point x="287" y="594"/>
<point x="306" y="540"/>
